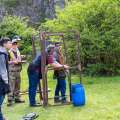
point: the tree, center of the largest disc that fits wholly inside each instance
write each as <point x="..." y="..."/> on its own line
<point x="13" y="25"/>
<point x="99" y="24"/>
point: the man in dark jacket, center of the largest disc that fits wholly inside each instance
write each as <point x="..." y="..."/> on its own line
<point x="4" y="44"/>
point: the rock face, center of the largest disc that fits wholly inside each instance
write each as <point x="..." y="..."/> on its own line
<point x="60" y="3"/>
<point x="35" y="10"/>
<point x="2" y="12"/>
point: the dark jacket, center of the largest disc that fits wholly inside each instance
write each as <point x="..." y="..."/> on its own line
<point x="4" y="86"/>
<point x="35" y="66"/>
<point x="3" y="64"/>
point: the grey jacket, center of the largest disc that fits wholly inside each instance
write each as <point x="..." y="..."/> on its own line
<point x="3" y="69"/>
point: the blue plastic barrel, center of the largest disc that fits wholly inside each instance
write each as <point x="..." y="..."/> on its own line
<point x="78" y="95"/>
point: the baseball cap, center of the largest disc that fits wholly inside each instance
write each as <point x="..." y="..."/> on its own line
<point x="16" y="39"/>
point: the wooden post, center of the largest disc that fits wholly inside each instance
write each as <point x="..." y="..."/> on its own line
<point x="40" y="92"/>
<point x="33" y="56"/>
<point x="78" y="55"/>
<point x="65" y="48"/>
<point x="67" y="62"/>
<point x="33" y="47"/>
<point x="43" y="69"/>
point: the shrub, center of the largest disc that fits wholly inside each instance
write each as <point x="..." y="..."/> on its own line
<point x="13" y="25"/>
<point x="98" y="22"/>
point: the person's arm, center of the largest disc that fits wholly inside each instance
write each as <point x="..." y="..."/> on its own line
<point x="57" y="65"/>
<point x="19" y="57"/>
<point x="54" y="64"/>
<point x="12" y="60"/>
<point x="3" y="69"/>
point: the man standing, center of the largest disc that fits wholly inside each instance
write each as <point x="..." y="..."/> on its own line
<point x="15" y="68"/>
<point x="60" y="75"/>
<point x="4" y="86"/>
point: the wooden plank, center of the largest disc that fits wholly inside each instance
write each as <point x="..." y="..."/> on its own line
<point x="43" y="66"/>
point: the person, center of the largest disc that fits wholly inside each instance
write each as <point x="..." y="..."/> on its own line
<point x="5" y="44"/>
<point x="60" y="75"/>
<point x="15" y="68"/>
<point x="34" y="73"/>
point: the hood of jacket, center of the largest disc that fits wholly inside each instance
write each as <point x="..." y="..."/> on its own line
<point x="2" y="49"/>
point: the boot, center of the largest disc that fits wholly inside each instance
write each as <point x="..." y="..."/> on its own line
<point x="57" y="99"/>
<point x="19" y="101"/>
<point x="64" y="100"/>
<point x="10" y="103"/>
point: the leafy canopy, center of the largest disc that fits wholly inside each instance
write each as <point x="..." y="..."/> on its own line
<point x="98" y="22"/>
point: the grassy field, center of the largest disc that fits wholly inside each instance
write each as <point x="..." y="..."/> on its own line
<point x="102" y="102"/>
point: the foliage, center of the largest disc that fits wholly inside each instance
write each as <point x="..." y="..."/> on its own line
<point x="12" y="25"/>
<point x="10" y="3"/>
<point x="98" y="22"/>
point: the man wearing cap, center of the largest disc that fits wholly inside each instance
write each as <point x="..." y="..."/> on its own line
<point x="34" y="73"/>
<point x="15" y="68"/>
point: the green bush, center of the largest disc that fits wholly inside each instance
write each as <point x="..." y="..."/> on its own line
<point x="9" y="3"/>
<point x="13" y="25"/>
<point x="98" y="22"/>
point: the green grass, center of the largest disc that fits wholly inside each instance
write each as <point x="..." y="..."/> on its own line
<point x="102" y="102"/>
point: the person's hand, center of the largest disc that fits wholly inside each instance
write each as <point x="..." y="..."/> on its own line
<point x="66" y="67"/>
<point x="23" y="61"/>
<point x="19" y="61"/>
<point x="15" y="62"/>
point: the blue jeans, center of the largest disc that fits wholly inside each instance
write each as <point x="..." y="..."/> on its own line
<point x="1" y="102"/>
<point x="33" y="83"/>
<point x="60" y="87"/>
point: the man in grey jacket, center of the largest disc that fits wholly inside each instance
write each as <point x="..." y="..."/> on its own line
<point x="4" y="44"/>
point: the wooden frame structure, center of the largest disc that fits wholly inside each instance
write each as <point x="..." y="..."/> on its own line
<point x="43" y="36"/>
